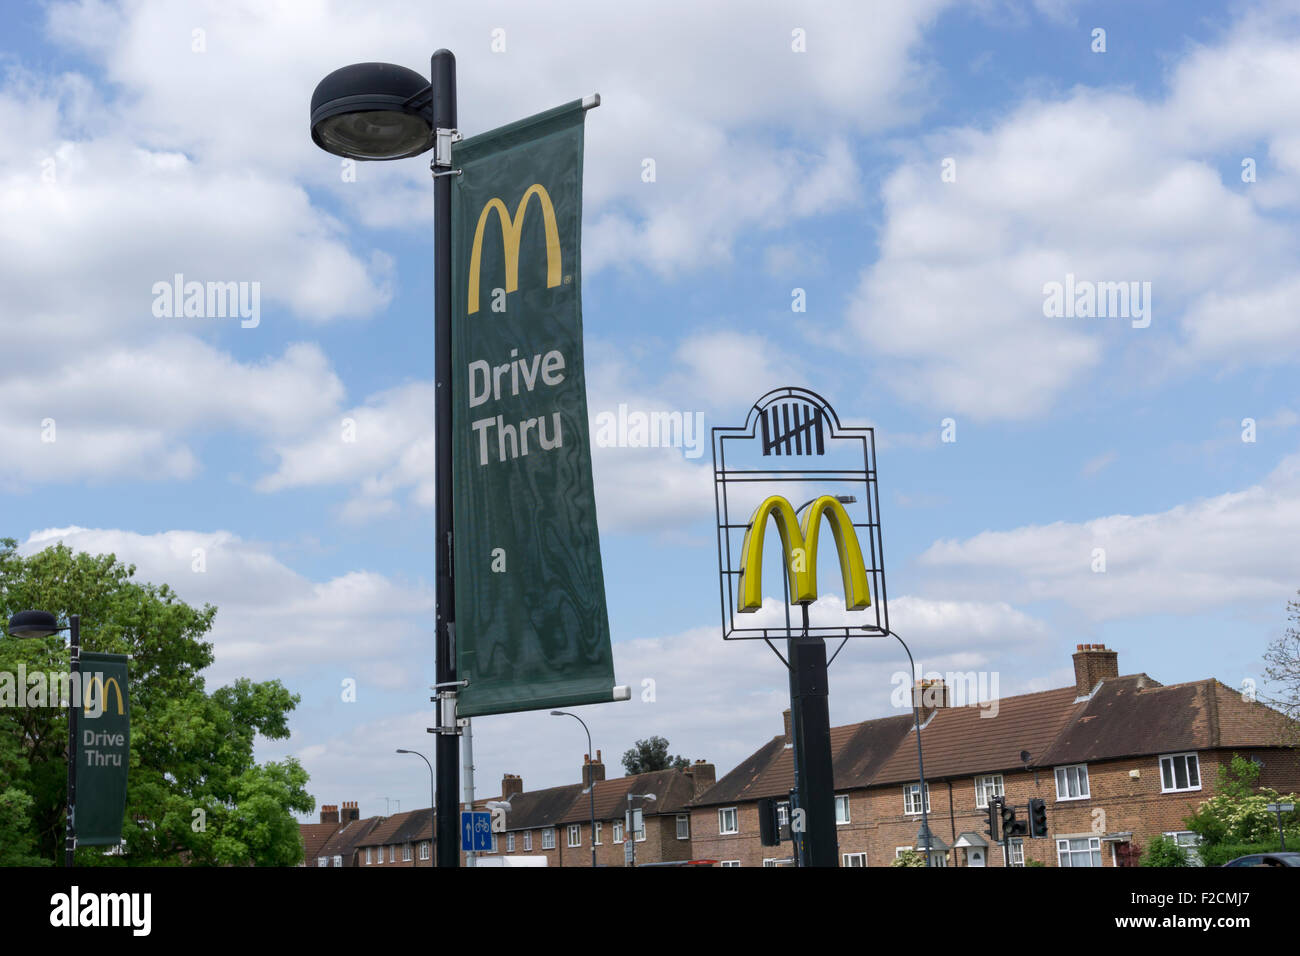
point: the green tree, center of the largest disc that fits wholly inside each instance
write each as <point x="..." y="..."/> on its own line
<point x="194" y="793"/>
<point x="1163" y="851"/>
<point x="908" y="858"/>
<point x="1283" y="672"/>
<point x="650" y="755"/>
<point x="1237" y="814"/>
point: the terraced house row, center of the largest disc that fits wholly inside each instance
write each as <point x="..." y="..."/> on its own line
<point x="1117" y="759"/>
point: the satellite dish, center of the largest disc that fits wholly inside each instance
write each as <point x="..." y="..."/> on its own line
<point x="1024" y="757"/>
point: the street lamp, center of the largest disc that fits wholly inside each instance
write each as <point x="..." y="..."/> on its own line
<point x="35" y="624"/>
<point x="381" y="111"/>
<point x="920" y="758"/>
<point x="433" y="826"/>
<point x="591" y="783"/>
<point x="631" y="834"/>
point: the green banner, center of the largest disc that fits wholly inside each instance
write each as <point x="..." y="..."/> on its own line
<point x="532" y="630"/>
<point x="103" y="749"/>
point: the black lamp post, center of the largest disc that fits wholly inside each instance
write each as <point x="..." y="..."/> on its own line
<point x="591" y="784"/>
<point x="924" y="835"/>
<point x="29" y="624"/>
<point x="380" y="111"/>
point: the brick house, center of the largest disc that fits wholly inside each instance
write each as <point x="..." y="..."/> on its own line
<point x="345" y="832"/>
<point x="557" y="822"/>
<point x="1118" y="760"/>
<point x="404" y="839"/>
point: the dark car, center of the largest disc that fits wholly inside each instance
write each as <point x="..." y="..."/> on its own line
<point x="1266" y="859"/>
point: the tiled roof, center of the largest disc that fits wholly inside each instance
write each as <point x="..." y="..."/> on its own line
<point x="672" y="790"/>
<point x="314" y="836"/>
<point x="399" y="828"/>
<point x="345" y="840"/>
<point x="533" y="809"/>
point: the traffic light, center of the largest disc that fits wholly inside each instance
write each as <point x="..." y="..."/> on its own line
<point x="769" y="833"/>
<point x="1011" y="827"/>
<point x="995" y="819"/>
<point x="1037" y="817"/>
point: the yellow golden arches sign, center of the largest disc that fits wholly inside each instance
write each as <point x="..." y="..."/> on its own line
<point x="512" y="228"/>
<point x="103" y="693"/>
<point x="800" y="547"/>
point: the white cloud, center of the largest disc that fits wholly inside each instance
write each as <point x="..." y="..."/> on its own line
<point x="1206" y="555"/>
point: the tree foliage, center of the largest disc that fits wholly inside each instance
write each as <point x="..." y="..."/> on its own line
<point x="650" y="755"/>
<point x="1237" y="814"/>
<point x="195" y="793"/>
<point x="1163" y="851"/>
<point x="1282" y="660"/>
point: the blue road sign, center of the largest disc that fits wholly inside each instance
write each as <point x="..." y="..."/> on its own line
<point x="475" y="831"/>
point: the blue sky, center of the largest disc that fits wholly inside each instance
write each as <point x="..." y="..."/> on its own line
<point x="144" y="155"/>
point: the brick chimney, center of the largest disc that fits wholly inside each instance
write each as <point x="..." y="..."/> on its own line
<point x="592" y="770"/>
<point x="1093" y="663"/>
<point x="929" y="696"/>
<point x="703" y="775"/>
<point x="511" y="783"/>
<point x="786" y="715"/>
<point x="329" y="813"/>
<point x="350" y="811"/>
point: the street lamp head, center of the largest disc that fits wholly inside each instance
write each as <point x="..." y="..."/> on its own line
<point x="403" y="751"/>
<point x="846" y="499"/>
<point x="33" y="624"/>
<point x="372" y="111"/>
<point x="558" y="713"/>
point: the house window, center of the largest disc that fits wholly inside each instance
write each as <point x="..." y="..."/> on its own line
<point x="424" y="851"/>
<point x="900" y="850"/>
<point x="638" y="825"/>
<point x="369" y="856"/>
<point x="599" y="827"/>
<point x="1017" y="852"/>
<point x="548" y="838"/>
<point x="1082" y="852"/>
<point x="938" y="858"/>
<point x="731" y="863"/>
<point x="1179" y="772"/>
<point x="683" y="826"/>
<point x="912" y="798"/>
<point x="618" y="831"/>
<point x="510" y="843"/>
<point x="854" y="859"/>
<point x="842" y="810"/>
<point x="392" y="852"/>
<point x="778" y="861"/>
<point x="727" y="822"/>
<point x="322" y="861"/>
<point x="338" y="861"/>
<point x="1072" y="782"/>
<point x="406" y="853"/>
<point x="575" y="835"/>
<point x="1189" y="841"/>
<point x="379" y="855"/>
<point x="987" y="786"/>
<point x="783" y="813"/>
<point x="528" y="839"/>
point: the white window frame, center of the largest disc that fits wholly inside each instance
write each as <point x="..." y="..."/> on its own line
<point x="723" y="830"/>
<point x="370" y="855"/>
<point x="1062" y="774"/>
<point x="1093" y="851"/>
<point x="1017" y="851"/>
<point x="988" y="785"/>
<point x="618" y="831"/>
<point x="548" y="838"/>
<point x="900" y="850"/>
<point x="392" y="853"/>
<point x="406" y="852"/>
<point x="379" y="855"/>
<point x="322" y="861"/>
<point x="1190" y="761"/>
<point x="686" y="819"/>
<point x="783" y="813"/>
<point x="600" y="826"/>
<point x="338" y="860"/>
<point x="731" y="864"/>
<point x="575" y="834"/>
<point x="938" y="858"/>
<point x="1190" y="841"/>
<point x="424" y="851"/>
<point x="842" y="800"/>
<point x="528" y="839"/>
<point x="638" y="825"/>
<point x="845" y="858"/>
<point x="510" y="843"/>
<point x="911" y="797"/>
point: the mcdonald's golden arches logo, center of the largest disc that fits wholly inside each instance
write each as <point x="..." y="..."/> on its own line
<point x="103" y="692"/>
<point x="512" y="228"/>
<point x="800" y="547"/>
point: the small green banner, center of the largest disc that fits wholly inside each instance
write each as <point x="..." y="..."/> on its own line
<point x="103" y="749"/>
<point x="532" y="631"/>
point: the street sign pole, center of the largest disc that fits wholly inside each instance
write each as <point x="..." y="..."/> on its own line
<point x="443" y="86"/>
<point x="810" y="724"/>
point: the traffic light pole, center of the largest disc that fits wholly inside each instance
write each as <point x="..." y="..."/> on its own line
<point x="447" y="839"/>
<point x="811" y="729"/>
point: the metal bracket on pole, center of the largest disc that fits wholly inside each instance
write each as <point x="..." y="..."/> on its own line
<point x="448" y="722"/>
<point x="443" y="138"/>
